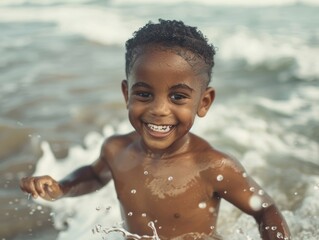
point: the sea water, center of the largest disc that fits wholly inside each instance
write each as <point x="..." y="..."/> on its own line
<point x="61" y="65"/>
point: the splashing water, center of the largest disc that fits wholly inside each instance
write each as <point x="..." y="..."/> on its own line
<point x="129" y="235"/>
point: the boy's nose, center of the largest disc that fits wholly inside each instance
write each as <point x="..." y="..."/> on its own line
<point x="159" y="107"/>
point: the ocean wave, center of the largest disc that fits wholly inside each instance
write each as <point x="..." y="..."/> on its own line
<point x="111" y="26"/>
<point x="271" y="51"/>
<point x="164" y="2"/>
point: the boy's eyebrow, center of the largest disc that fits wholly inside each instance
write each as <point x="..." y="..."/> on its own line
<point x="177" y="86"/>
<point x="182" y="85"/>
<point x="140" y="84"/>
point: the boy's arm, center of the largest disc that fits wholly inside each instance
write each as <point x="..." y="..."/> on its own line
<point x="81" y="181"/>
<point x="243" y="192"/>
<point x="86" y="179"/>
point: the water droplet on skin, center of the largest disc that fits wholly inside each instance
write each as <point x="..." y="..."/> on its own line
<point x="295" y="193"/>
<point x="211" y="209"/>
<point x="267" y="227"/>
<point x="202" y="205"/>
<point x="98" y="208"/>
<point x="244" y="175"/>
<point x="252" y="189"/>
<point x="130" y="214"/>
<point x="170" y="178"/>
<point x="133" y="191"/>
<point x="264" y="205"/>
<point x="280" y="235"/>
<point x="273" y="228"/>
<point x="220" y="178"/>
<point x="255" y="203"/>
<point x="145" y="172"/>
<point x="261" y="192"/>
<point x="143" y="214"/>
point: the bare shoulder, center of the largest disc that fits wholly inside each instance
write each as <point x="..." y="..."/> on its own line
<point x="115" y="144"/>
<point x="215" y="160"/>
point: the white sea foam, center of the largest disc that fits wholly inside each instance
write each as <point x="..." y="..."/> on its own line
<point x="273" y="51"/>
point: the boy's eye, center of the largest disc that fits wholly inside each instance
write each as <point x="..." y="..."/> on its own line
<point x="143" y="95"/>
<point x="178" y="97"/>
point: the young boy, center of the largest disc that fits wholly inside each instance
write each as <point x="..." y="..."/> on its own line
<point x="162" y="172"/>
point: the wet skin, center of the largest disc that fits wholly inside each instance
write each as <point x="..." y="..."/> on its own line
<point x="162" y="172"/>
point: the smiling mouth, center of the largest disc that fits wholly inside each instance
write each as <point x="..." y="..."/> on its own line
<point x="159" y="128"/>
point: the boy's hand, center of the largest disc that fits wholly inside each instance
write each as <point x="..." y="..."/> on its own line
<point x="44" y="186"/>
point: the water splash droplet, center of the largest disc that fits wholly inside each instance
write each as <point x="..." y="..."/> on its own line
<point x="220" y="178"/>
<point x="202" y="205"/>
<point x="255" y="203"/>
<point x="264" y="205"/>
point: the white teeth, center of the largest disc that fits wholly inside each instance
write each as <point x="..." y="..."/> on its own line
<point x="160" y="128"/>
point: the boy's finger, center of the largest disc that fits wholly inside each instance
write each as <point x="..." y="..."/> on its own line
<point x="30" y="187"/>
<point x="40" y="186"/>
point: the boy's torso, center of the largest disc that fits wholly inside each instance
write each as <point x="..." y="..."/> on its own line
<point x="175" y="193"/>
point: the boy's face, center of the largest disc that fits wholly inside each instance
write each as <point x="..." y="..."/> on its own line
<point x="163" y="95"/>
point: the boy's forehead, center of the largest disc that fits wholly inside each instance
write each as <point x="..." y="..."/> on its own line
<point x="196" y="62"/>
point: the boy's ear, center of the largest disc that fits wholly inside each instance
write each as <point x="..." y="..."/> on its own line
<point x="125" y="90"/>
<point x="206" y="101"/>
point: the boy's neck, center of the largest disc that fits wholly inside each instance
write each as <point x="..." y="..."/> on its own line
<point x="175" y="149"/>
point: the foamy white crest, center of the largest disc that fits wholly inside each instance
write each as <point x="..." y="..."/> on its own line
<point x="270" y="50"/>
<point x="103" y="25"/>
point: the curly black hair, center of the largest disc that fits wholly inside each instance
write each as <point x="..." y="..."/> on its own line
<point x="173" y="35"/>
